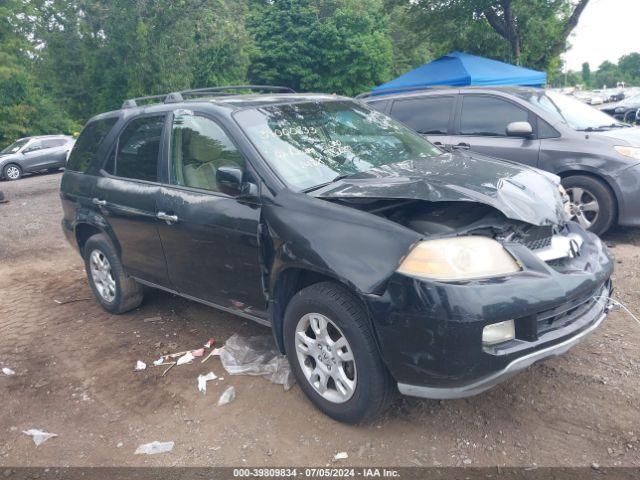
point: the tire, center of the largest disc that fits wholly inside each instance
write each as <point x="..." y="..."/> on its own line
<point x="372" y="386"/>
<point x="114" y="290"/>
<point x="592" y="190"/>
<point x="12" y="171"/>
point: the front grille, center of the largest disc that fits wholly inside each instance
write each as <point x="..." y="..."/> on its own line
<point x="536" y="238"/>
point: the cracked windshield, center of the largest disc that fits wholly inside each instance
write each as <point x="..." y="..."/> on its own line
<point x="312" y="144"/>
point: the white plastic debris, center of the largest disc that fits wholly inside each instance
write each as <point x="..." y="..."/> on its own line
<point x="140" y="366"/>
<point x="38" y="436"/>
<point x="186" y="358"/>
<point x="203" y="379"/>
<point x="256" y="356"/>
<point x="340" y="456"/>
<point x="154" y="447"/>
<point x="227" y="396"/>
<point x="158" y="362"/>
<point x="8" y="372"/>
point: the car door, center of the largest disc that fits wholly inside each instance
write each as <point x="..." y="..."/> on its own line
<point x="210" y="237"/>
<point x="54" y="154"/>
<point x="430" y="116"/>
<point x="481" y="128"/>
<point x="126" y="194"/>
<point x="33" y="156"/>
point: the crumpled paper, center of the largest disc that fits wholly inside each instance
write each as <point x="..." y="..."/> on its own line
<point x="154" y="447"/>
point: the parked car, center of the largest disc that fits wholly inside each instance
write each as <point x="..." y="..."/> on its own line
<point x="378" y="260"/>
<point x="597" y="157"/>
<point x="625" y="111"/>
<point x="33" y="154"/>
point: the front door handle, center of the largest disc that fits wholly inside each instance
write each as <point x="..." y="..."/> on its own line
<point x="167" y="218"/>
<point x="97" y="201"/>
<point x="462" y="146"/>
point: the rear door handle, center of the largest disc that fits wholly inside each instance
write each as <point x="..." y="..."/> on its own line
<point x="97" y="201"/>
<point x="462" y="146"/>
<point x="167" y="218"/>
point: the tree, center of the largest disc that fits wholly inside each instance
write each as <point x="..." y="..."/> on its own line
<point x="527" y="32"/>
<point x="340" y="46"/>
<point x="607" y="75"/>
<point x="586" y="74"/>
<point x="629" y="67"/>
<point x="24" y="108"/>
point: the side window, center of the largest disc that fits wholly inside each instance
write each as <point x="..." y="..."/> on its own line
<point x="426" y="115"/>
<point x="198" y="148"/>
<point x="50" y="143"/>
<point x="86" y="146"/>
<point x="545" y="130"/>
<point x="138" y="149"/>
<point x="33" y="146"/>
<point x="380" y="105"/>
<point x="489" y="115"/>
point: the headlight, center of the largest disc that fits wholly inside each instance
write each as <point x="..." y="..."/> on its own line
<point x="460" y="258"/>
<point x="498" y="332"/>
<point x="631" y="152"/>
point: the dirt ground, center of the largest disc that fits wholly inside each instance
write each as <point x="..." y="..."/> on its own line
<point x="74" y="377"/>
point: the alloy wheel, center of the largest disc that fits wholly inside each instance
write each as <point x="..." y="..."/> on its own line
<point x="325" y="357"/>
<point x="13" y="172"/>
<point x="583" y="206"/>
<point x="102" y="275"/>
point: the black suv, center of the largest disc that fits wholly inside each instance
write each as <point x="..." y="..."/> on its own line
<point x="597" y="157"/>
<point x="378" y="260"/>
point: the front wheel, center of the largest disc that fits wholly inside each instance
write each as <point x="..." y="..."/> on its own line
<point x="114" y="290"/>
<point x="333" y="354"/>
<point x="12" y="171"/>
<point x="592" y="204"/>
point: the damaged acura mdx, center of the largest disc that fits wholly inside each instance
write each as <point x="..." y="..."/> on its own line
<point x="380" y="262"/>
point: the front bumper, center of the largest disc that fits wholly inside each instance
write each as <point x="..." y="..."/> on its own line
<point x="430" y="333"/>
<point x="511" y="369"/>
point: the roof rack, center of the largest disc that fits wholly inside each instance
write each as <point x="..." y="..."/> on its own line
<point x="175" y="97"/>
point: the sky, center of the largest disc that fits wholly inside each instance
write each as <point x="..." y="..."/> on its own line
<point x="607" y="30"/>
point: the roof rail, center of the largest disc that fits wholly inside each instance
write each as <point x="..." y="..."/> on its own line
<point x="175" y="97"/>
<point x="392" y="91"/>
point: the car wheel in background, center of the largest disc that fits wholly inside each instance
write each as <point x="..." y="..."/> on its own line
<point x="592" y="203"/>
<point x="116" y="292"/>
<point x="12" y="171"/>
<point x="333" y="354"/>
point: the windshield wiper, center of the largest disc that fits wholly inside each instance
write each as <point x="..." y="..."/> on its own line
<point x="335" y="179"/>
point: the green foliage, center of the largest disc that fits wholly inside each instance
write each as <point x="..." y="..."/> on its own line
<point x="24" y="108"/>
<point x="340" y="46"/>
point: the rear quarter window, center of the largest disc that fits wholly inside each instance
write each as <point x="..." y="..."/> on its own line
<point x="88" y="143"/>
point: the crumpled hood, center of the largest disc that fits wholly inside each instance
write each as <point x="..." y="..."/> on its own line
<point x="623" y="136"/>
<point x="519" y="192"/>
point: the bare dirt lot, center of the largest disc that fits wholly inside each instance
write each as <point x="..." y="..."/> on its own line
<point x="74" y="377"/>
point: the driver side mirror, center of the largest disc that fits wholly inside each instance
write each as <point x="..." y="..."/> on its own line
<point x="519" y="129"/>
<point x="229" y="181"/>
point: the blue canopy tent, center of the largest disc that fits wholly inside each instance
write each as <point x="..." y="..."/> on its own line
<point x="462" y="69"/>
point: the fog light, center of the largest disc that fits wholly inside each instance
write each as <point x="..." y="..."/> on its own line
<point x="498" y="332"/>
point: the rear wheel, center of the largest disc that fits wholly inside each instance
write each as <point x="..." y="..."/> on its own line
<point x="592" y="204"/>
<point x="114" y="290"/>
<point x="333" y="354"/>
<point x="12" y="171"/>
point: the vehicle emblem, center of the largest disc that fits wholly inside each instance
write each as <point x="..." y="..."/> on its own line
<point x="574" y="248"/>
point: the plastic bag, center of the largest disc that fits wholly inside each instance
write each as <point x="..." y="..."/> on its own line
<point x="8" y="372"/>
<point x="227" y="396"/>
<point x="154" y="447"/>
<point x="38" y="436"/>
<point x="256" y="356"/>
